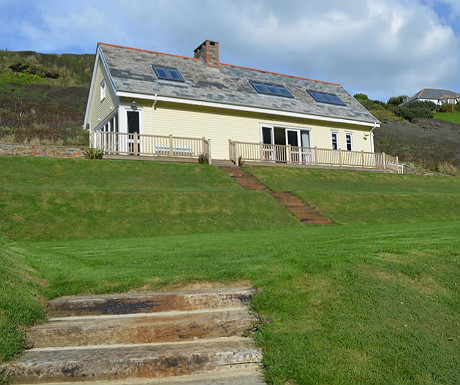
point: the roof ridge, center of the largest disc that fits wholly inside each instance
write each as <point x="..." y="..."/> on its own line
<point x="277" y="73"/>
<point x="225" y="64"/>
<point x="145" y="50"/>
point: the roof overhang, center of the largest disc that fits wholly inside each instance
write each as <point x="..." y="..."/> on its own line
<point x="123" y="94"/>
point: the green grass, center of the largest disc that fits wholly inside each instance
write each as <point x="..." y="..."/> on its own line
<point x="375" y="301"/>
<point x="452" y="117"/>
<point x="66" y="199"/>
<point x="348" y="197"/>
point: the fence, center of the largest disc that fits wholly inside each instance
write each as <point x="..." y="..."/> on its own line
<point x="311" y="156"/>
<point x="117" y="143"/>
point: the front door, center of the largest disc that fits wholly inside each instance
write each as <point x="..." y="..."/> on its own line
<point x="292" y="139"/>
<point x="133" y="128"/>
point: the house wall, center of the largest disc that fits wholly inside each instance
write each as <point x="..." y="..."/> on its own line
<point x="220" y="125"/>
<point x="100" y="110"/>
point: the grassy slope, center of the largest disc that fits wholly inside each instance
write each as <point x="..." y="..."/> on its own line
<point x="452" y="117"/>
<point x="371" y="302"/>
<point x="349" y="197"/>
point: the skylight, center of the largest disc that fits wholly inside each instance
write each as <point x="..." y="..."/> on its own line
<point x="168" y="73"/>
<point x="271" y="89"/>
<point x="323" y="97"/>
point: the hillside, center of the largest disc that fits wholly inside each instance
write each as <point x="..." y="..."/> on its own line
<point x="43" y="97"/>
<point x="426" y="142"/>
<point x="372" y="299"/>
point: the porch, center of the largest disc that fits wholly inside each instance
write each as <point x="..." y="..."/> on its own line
<point x="168" y="147"/>
<point x="311" y="156"/>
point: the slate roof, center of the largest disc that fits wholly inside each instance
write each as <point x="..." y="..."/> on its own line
<point x="131" y="71"/>
<point x="431" y="94"/>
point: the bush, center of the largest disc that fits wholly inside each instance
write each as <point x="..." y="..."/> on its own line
<point x="447" y="107"/>
<point x="416" y="110"/>
<point x="93" y="153"/>
<point x="448" y="169"/>
<point x="203" y="159"/>
<point x="396" y="100"/>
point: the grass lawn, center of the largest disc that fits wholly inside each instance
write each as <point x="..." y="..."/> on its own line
<point x="453" y="117"/>
<point x="367" y="302"/>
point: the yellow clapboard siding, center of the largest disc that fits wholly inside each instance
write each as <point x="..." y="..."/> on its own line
<point x="221" y="125"/>
<point x="99" y="110"/>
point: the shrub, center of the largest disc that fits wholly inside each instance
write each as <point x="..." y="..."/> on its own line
<point x="93" y="153"/>
<point x="448" y="169"/>
<point x="415" y="110"/>
<point x="446" y="107"/>
<point x="203" y="159"/>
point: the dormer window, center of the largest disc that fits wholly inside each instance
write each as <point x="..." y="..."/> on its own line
<point x="103" y="90"/>
<point x="323" y="97"/>
<point x="168" y="73"/>
<point x="271" y="89"/>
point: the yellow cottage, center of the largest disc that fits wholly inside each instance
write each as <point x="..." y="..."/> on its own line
<point x="148" y="103"/>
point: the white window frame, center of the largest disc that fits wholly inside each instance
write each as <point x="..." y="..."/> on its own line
<point x="103" y="90"/>
<point x="297" y="128"/>
<point x="337" y="140"/>
<point x="349" y="134"/>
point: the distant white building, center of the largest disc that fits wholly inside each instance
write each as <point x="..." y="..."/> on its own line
<point x="434" y="95"/>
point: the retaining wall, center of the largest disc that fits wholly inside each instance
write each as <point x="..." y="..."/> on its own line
<point x="40" y="150"/>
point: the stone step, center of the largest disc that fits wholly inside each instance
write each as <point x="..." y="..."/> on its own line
<point x="131" y="303"/>
<point x="249" y="376"/>
<point x="141" y="328"/>
<point x="152" y="360"/>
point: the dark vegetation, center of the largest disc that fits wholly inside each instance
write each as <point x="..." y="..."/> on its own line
<point x="43" y="97"/>
<point x="410" y="132"/>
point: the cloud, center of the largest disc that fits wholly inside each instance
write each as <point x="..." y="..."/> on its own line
<point x="379" y="48"/>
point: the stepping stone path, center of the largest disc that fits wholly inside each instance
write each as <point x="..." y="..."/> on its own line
<point x="296" y="206"/>
<point x="181" y="337"/>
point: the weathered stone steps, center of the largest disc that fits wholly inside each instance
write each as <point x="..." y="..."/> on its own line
<point x="154" y="360"/>
<point x="304" y="212"/>
<point x="250" y="376"/>
<point x="194" y="337"/>
<point x="132" y="303"/>
<point x="141" y="327"/>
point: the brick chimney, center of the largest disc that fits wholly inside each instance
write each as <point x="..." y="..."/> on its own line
<point x="209" y="53"/>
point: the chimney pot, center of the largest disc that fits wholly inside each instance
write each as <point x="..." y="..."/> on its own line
<point x="208" y="52"/>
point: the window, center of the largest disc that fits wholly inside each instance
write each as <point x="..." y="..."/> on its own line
<point x="335" y="140"/>
<point x="168" y="73"/>
<point x="103" y="90"/>
<point x="323" y="97"/>
<point x="348" y="137"/>
<point x="271" y="89"/>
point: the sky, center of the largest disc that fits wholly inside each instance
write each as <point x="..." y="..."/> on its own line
<point x="381" y="48"/>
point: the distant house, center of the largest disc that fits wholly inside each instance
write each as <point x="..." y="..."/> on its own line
<point x="434" y="95"/>
<point x="138" y="99"/>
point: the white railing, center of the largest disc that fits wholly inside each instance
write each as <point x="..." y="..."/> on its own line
<point x="311" y="156"/>
<point x="117" y="143"/>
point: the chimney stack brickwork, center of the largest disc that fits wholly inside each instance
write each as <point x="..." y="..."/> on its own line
<point x="209" y="53"/>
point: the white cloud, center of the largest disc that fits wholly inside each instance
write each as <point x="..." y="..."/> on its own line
<point x="380" y="48"/>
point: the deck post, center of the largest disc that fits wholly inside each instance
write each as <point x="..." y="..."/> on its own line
<point x="136" y="143"/>
<point x="261" y="147"/>
<point x="237" y="160"/>
<point x="384" y="161"/>
<point x="340" y="157"/>
<point x="362" y="158"/>
<point x="316" y="155"/>
<point x="171" y="153"/>
<point x="288" y="154"/>
<point x="209" y="151"/>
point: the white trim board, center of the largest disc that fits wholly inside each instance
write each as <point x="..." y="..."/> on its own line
<point x="244" y="108"/>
